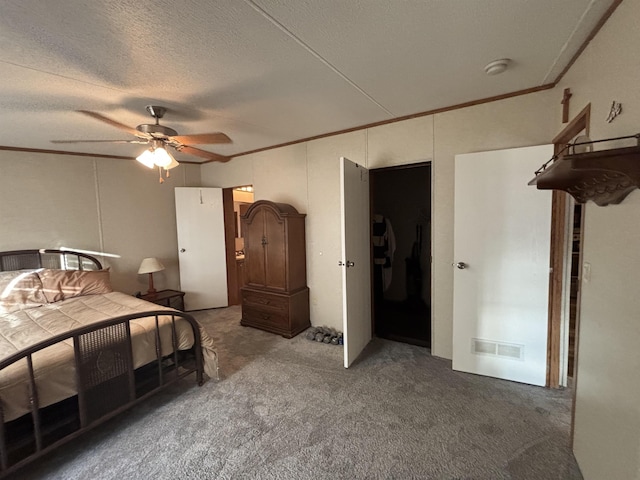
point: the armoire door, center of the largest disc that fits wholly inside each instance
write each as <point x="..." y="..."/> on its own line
<point x="253" y="232"/>
<point x="275" y="252"/>
<point x="266" y="246"/>
<point x="201" y="247"/>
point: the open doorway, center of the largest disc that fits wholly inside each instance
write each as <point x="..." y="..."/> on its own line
<point x="574" y="287"/>
<point x="401" y="269"/>
<point x="242" y="200"/>
<point x="236" y="202"/>
<point x="564" y="290"/>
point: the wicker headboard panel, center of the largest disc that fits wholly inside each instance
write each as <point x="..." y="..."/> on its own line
<point x="57" y="259"/>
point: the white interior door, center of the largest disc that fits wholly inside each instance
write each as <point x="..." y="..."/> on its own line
<point x="355" y="262"/>
<point x="502" y="234"/>
<point x="201" y="246"/>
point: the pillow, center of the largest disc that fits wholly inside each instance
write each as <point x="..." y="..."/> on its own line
<point x="20" y="289"/>
<point x="63" y="284"/>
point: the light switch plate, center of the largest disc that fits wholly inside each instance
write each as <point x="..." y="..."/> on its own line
<point x="586" y="272"/>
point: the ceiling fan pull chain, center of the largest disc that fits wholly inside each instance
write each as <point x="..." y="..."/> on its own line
<point x="160" y="172"/>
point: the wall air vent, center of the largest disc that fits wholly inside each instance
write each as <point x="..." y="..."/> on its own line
<point x="513" y="351"/>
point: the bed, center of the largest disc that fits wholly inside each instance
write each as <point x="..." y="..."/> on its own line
<point x="74" y="353"/>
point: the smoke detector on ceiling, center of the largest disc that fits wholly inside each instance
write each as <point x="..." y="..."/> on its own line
<point x="497" y="66"/>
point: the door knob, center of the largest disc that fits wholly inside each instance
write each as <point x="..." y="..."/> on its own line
<point x="182" y="250"/>
<point x="461" y="265"/>
<point x="347" y="264"/>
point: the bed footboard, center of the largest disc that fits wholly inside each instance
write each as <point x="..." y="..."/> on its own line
<point x="106" y="381"/>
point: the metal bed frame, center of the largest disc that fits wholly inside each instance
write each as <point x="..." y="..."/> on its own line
<point x="106" y="380"/>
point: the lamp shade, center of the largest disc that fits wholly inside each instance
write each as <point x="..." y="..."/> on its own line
<point x="146" y="158"/>
<point x="162" y="158"/>
<point x="174" y="163"/>
<point x="150" y="265"/>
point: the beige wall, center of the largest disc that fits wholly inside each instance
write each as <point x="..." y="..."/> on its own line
<point x="323" y="223"/>
<point x="42" y="198"/>
<point x="106" y="205"/>
<point x="607" y="424"/>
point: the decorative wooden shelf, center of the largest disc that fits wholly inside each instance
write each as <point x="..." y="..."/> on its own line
<point x="605" y="176"/>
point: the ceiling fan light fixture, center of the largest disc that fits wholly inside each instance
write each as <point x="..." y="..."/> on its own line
<point x="157" y="156"/>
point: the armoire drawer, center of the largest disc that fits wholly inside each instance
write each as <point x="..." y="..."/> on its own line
<point x="261" y="317"/>
<point x="265" y="301"/>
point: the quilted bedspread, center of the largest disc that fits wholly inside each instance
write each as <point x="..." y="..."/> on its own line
<point x="54" y="366"/>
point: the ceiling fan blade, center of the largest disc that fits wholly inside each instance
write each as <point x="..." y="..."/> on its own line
<point x="214" y="157"/>
<point x="202" y="138"/>
<point x="100" y="141"/>
<point x="111" y="122"/>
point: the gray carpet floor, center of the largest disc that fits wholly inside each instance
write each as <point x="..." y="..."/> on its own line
<point x="287" y="409"/>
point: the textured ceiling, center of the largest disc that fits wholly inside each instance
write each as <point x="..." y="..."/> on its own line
<point x="265" y="72"/>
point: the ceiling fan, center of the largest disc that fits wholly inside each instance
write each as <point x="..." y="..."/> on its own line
<point x="158" y="137"/>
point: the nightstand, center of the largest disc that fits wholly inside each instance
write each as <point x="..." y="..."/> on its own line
<point x="168" y="298"/>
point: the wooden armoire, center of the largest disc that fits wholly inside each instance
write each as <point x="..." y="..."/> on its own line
<point x="275" y="296"/>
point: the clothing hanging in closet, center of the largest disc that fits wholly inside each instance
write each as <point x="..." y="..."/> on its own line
<point x="384" y="247"/>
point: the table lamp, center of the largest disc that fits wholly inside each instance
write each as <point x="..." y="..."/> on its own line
<point x="150" y="265"/>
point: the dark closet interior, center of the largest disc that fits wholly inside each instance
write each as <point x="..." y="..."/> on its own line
<point x="401" y="238"/>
